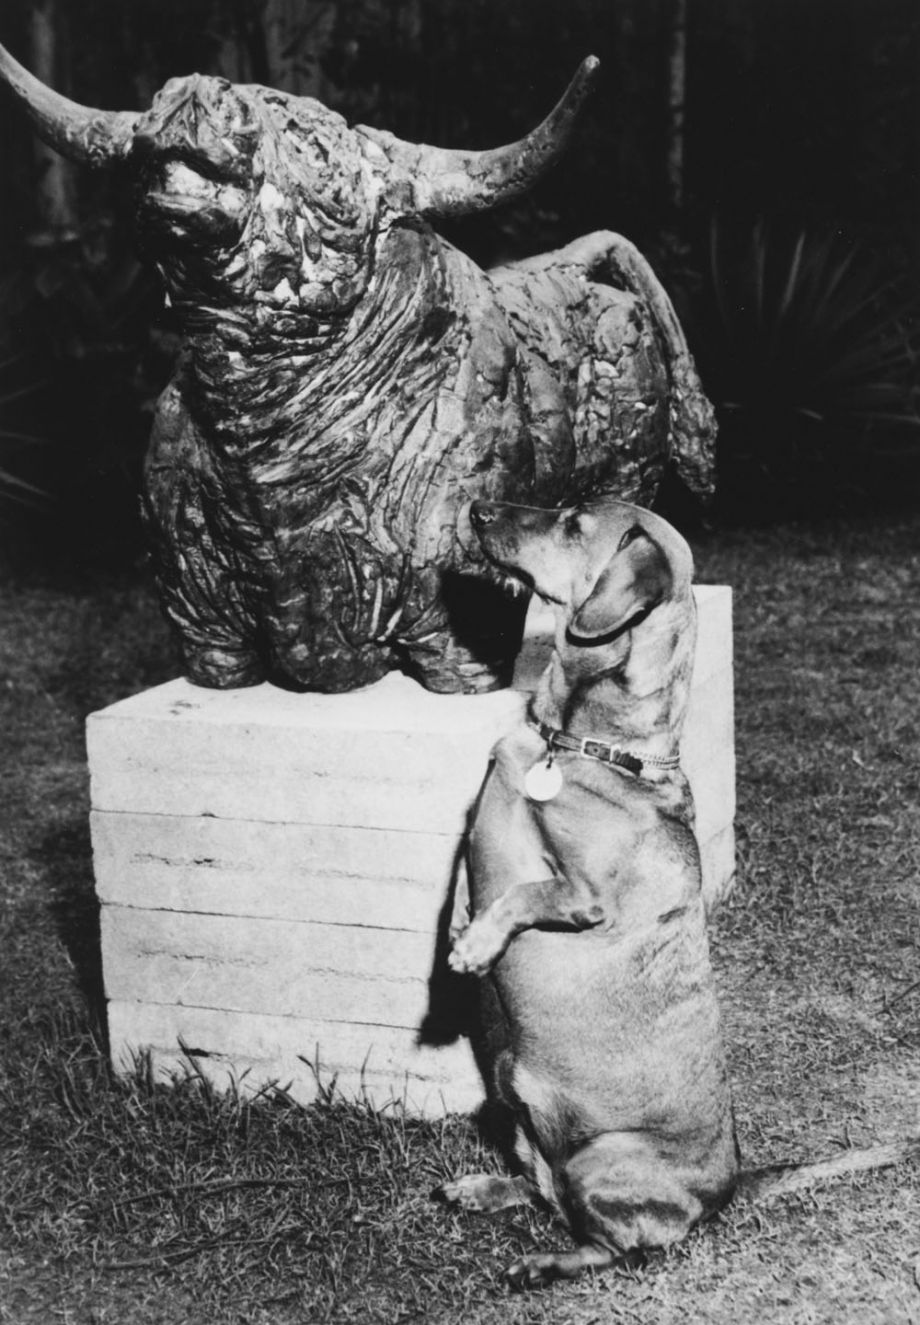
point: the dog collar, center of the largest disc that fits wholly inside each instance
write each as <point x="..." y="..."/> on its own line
<point x="595" y="641"/>
<point x="591" y="748"/>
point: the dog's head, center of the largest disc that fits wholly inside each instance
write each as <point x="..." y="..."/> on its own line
<point x="603" y="562"/>
<point x="619" y="578"/>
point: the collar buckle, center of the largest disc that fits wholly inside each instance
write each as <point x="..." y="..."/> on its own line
<point x="591" y="748"/>
<point x="595" y="749"/>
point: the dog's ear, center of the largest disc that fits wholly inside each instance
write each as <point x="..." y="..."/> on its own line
<point x="636" y="577"/>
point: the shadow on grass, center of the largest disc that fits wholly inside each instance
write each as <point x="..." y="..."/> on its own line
<point x="66" y="854"/>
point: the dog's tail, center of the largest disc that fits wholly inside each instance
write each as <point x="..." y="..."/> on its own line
<point x="760" y="1185"/>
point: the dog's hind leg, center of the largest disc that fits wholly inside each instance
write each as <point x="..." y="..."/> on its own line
<point x="619" y="1195"/>
<point x="486" y="1192"/>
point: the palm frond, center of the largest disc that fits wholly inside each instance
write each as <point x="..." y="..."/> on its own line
<point x="15" y="489"/>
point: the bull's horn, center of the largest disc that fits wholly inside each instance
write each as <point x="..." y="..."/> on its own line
<point x="91" y="136"/>
<point x="445" y="182"/>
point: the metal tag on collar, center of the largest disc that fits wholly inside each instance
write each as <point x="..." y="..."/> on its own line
<point x="544" y="780"/>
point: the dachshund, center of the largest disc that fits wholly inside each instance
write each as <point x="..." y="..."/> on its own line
<point x="601" y="1028"/>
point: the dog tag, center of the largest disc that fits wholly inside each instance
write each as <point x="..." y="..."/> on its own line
<point x="543" y="781"/>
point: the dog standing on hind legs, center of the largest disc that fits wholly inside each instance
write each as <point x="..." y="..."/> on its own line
<point x="600" y="1020"/>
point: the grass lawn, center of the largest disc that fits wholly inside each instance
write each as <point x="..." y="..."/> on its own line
<point x="134" y="1202"/>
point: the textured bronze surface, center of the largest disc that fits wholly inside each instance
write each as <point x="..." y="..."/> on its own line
<point x="350" y="381"/>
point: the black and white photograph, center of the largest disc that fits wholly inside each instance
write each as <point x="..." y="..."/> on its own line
<point x="460" y="662"/>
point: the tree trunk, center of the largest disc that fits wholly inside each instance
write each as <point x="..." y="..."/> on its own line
<point x="56" y="192"/>
<point x="677" y="84"/>
<point x="296" y="36"/>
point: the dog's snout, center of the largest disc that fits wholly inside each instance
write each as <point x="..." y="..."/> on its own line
<point x="482" y="513"/>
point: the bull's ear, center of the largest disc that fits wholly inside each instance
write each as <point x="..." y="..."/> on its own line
<point x="635" y="579"/>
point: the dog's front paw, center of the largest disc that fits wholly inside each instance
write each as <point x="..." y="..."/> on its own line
<point x="478" y="948"/>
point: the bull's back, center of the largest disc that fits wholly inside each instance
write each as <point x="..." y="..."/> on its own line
<point x="600" y="336"/>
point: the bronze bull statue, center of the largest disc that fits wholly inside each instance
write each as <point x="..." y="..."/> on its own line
<point x="350" y="381"/>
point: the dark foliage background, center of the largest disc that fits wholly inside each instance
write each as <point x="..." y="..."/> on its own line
<point x="785" y="229"/>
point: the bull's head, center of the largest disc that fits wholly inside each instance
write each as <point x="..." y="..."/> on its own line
<point x="248" y="195"/>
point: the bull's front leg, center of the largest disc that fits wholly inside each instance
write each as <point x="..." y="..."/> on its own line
<point x="201" y="593"/>
<point x="547" y="903"/>
<point x="466" y="634"/>
<point x="447" y="667"/>
<point x="202" y="543"/>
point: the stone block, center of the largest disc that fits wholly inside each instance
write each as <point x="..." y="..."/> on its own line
<point x="390" y="756"/>
<point x="274" y="871"/>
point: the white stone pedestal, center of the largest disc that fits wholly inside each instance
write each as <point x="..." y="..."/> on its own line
<point x="273" y="869"/>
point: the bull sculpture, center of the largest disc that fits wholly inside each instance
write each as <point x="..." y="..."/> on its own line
<point x="350" y="381"/>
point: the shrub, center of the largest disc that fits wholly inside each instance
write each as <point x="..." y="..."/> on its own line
<point x="808" y="347"/>
<point x="86" y="322"/>
<point x="15" y="441"/>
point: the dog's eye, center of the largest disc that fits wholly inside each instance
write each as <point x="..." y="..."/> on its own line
<point x="634" y="532"/>
<point x="572" y="524"/>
